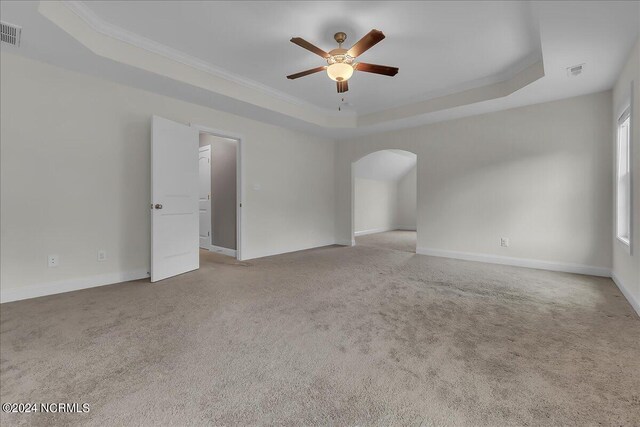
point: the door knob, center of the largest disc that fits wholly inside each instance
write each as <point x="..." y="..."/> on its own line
<point x="158" y="206"/>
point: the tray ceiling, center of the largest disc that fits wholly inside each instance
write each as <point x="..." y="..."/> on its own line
<point x="455" y="58"/>
<point x="440" y="47"/>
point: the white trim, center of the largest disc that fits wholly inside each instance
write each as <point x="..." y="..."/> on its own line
<point x="326" y="243"/>
<point x="210" y="200"/>
<point x="515" y="77"/>
<point x="534" y="59"/>
<point x="223" y="251"/>
<point x="341" y="242"/>
<point x="627" y="294"/>
<point x="110" y="30"/>
<point x="373" y="231"/>
<point x="626" y="242"/>
<point x="62" y="286"/>
<point x="239" y="179"/>
<point x="626" y="114"/>
<point x="518" y="262"/>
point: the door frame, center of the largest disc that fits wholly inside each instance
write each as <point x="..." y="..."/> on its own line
<point x="210" y="200"/>
<point x="239" y="175"/>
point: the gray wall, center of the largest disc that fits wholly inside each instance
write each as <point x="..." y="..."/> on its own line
<point x="375" y="205"/>
<point x="407" y="198"/>
<point x="106" y="147"/>
<point x="223" y="189"/>
<point x="540" y="175"/>
<point x="381" y="205"/>
<point x="626" y="265"/>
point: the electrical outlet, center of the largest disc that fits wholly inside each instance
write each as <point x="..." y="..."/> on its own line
<point x="53" y="261"/>
<point x="504" y="242"/>
<point x="102" y="255"/>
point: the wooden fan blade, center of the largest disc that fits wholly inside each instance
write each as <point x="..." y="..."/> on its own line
<point x="377" y="69"/>
<point x="343" y="86"/>
<point x="306" y="73"/>
<point x="366" y="43"/>
<point x="306" y="45"/>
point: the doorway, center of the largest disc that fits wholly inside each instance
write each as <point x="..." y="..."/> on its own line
<point x="385" y="200"/>
<point x="219" y="168"/>
<point x="189" y="211"/>
<point x="204" y="199"/>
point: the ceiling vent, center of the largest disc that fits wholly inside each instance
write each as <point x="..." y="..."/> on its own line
<point x="10" y="33"/>
<point x="574" y="71"/>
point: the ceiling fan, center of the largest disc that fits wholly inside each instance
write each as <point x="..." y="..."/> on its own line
<point x="341" y="63"/>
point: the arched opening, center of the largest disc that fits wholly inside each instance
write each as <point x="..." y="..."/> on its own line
<point x="384" y="200"/>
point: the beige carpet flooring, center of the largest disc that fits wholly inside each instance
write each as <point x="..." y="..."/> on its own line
<point x="366" y="335"/>
<point x="398" y="240"/>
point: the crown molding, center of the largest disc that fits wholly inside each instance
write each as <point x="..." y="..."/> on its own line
<point x="121" y="48"/>
<point x="507" y="74"/>
<point x="516" y="80"/>
<point x="114" y="43"/>
<point x="113" y="31"/>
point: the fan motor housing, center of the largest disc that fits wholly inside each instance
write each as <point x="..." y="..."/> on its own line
<point x="338" y="51"/>
<point x="339" y="55"/>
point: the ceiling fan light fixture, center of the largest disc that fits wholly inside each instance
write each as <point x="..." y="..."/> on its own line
<point x="341" y="62"/>
<point x="340" y="71"/>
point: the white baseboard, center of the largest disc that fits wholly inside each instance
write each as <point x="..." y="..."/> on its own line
<point x="62" y="286"/>
<point x="372" y="231"/>
<point x="351" y="242"/>
<point x="382" y="230"/>
<point x="319" y="244"/>
<point x="518" y="262"/>
<point x="627" y="294"/>
<point x="223" y="251"/>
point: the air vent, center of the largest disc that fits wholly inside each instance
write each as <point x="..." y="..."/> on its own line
<point x="10" y="33"/>
<point x="576" y="70"/>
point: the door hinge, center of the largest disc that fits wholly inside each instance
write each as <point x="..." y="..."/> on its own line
<point x="240" y="204"/>
<point x="208" y="233"/>
<point x="208" y="196"/>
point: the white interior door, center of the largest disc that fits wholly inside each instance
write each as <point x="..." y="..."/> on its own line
<point x="204" y="200"/>
<point x="174" y="199"/>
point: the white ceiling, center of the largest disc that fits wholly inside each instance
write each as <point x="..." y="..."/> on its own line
<point x="438" y="46"/>
<point x="441" y="48"/>
<point x="385" y="165"/>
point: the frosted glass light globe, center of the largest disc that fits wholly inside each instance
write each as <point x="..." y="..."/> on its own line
<point x="339" y="71"/>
